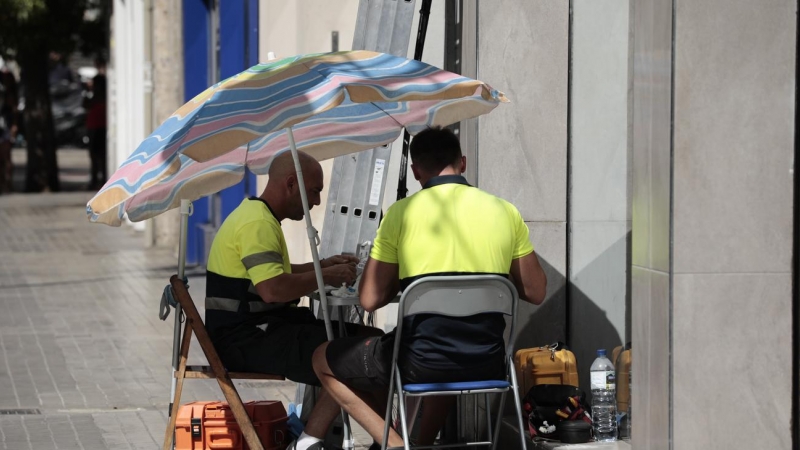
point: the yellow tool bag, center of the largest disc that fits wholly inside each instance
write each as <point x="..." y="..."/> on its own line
<point x="549" y="364"/>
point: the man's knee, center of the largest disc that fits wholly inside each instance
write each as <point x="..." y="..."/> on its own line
<point x="319" y="360"/>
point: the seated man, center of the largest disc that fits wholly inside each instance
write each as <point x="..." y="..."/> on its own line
<point x="252" y="289"/>
<point x="448" y="228"/>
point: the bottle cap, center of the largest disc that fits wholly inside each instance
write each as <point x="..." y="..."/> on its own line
<point x="601" y="352"/>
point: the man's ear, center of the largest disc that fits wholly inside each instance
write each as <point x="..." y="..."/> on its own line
<point x="290" y="182"/>
<point x="415" y="171"/>
<point x="463" y="164"/>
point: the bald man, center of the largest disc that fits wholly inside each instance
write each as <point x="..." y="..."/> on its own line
<point x="252" y="290"/>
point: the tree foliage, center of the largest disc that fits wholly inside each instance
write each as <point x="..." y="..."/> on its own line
<point x="29" y="31"/>
<point x="54" y="24"/>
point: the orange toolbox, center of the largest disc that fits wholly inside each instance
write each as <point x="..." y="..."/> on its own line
<point x="211" y="426"/>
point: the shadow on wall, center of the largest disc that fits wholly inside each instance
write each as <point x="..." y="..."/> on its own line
<point x="585" y="325"/>
<point x="599" y="307"/>
<point x="545" y="323"/>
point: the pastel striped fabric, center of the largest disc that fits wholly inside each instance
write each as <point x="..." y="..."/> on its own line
<point x="336" y="103"/>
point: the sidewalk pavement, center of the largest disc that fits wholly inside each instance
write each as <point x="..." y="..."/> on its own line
<point x="84" y="360"/>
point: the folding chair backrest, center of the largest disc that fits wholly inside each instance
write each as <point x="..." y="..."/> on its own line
<point x="459" y="296"/>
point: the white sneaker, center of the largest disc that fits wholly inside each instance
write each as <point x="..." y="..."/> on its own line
<point x="314" y="446"/>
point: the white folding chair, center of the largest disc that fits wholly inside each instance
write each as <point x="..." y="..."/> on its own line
<point x="457" y="296"/>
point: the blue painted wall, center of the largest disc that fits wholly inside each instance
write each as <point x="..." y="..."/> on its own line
<point x="196" y="76"/>
<point x="238" y="41"/>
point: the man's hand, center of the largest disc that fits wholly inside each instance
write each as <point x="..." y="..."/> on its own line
<point x="301" y="281"/>
<point x="339" y="273"/>
<point x="339" y="269"/>
<point x="325" y="263"/>
<point x="338" y="259"/>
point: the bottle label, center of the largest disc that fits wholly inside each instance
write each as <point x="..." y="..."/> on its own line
<point x="603" y="380"/>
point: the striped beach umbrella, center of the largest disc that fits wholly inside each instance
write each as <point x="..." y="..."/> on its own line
<point x="330" y="105"/>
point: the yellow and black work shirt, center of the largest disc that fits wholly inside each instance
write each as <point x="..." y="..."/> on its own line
<point x="248" y="248"/>
<point x="451" y="228"/>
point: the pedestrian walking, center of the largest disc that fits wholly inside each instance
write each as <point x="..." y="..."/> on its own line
<point x="9" y="98"/>
<point x="96" y="126"/>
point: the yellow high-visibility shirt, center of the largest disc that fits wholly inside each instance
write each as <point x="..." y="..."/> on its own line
<point x="450" y="227"/>
<point x="249" y="248"/>
<point x="250" y="244"/>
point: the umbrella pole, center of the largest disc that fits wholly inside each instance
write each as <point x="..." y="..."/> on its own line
<point x="186" y="208"/>
<point x="312" y="236"/>
<point x="312" y="240"/>
<point x="422" y="31"/>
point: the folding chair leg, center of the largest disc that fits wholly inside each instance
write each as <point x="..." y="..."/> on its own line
<point x="388" y="417"/>
<point x="517" y="405"/>
<point x="519" y="423"/>
<point x="489" y="433"/>
<point x="499" y="421"/>
<point x="475" y="416"/>
<point x="239" y="413"/>
<point x="401" y="403"/>
<point x="176" y="401"/>
<point x="173" y="414"/>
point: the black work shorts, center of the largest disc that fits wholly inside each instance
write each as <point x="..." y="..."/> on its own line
<point x="364" y="363"/>
<point x="282" y="346"/>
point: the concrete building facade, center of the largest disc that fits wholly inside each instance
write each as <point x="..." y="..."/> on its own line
<point x="650" y="148"/>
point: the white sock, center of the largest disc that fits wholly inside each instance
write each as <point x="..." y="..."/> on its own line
<point x="305" y="441"/>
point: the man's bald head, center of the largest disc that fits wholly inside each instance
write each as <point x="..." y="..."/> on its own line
<point x="283" y="165"/>
<point x="282" y="191"/>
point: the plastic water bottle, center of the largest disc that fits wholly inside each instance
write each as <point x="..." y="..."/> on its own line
<point x="604" y="401"/>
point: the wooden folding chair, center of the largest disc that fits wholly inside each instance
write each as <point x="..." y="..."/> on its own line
<point x="215" y="370"/>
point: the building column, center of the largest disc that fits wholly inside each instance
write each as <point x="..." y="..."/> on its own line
<point x="167" y="63"/>
<point x="650" y="224"/>
<point x="733" y="147"/>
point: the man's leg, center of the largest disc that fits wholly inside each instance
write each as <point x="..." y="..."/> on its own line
<point x="94" y="160"/>
<point x="325" y="410"/>
<point x="322" y="415"/>
<point x="102" y="153"/>
<point x="283" y="348"/>
<point x="6" y="170"/>
<point x="361" y="406"/>
<point x="436" y="409"/>
<point x="434" y="413"/>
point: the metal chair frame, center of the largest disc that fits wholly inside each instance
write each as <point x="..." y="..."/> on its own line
<point x="457" y="296"/>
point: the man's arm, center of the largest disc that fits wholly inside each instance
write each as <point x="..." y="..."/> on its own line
<point x="529" y="278"/>
<point x="324" y="263"/>
<point x="379" y="284"/>
<point x="307" y="267"/>
<point x="290" y="286"/>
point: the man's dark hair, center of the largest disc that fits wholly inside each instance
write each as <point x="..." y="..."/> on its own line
<point x="434" y="149"/>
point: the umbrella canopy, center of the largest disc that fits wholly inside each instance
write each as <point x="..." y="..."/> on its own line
<point x="336" y="103"/>
<point x="192" y="181"/>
